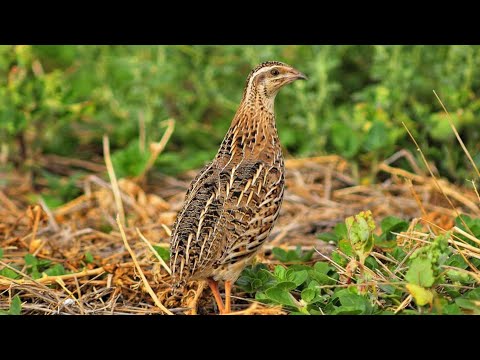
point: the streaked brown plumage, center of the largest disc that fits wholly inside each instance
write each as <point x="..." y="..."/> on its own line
<point x="233" y="203"/>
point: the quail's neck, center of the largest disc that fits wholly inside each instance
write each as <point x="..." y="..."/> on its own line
<point x="256" y="109"/>
<point x="252" y="134"/>
<point x="257" y="118"/>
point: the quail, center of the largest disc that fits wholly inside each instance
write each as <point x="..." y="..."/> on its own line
<point x="234" y="201"/>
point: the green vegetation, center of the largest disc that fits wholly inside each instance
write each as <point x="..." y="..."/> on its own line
<point x="15" y="307"/>
<point x="62" y="99"/>
<point x="354" y="281"/>
<point x="35" y="269"/>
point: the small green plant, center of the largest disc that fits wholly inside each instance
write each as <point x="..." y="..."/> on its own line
<point x="360" y="234"/>
<point x="36" y="268"/>
<point x="9" y="273"/>
<point x="15" y="307"/>
<point x="434" y="275"/>
<point x="163" y="252"/>
<point x="89" y="257"/>
<point x="425" y="271"/>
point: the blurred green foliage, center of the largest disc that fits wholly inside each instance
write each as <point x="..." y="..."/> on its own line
<point x="62" y="99"/>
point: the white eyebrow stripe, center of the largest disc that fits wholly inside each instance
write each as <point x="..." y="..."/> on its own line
<point x="258" y="72"/>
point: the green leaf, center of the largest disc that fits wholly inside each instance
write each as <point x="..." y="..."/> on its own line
<point x="52" y="201"/>
<point x="34" y="273"/>
<point x="1" y="253"/>
<point x="346" y="247"/>
<point x="322" y="267"/>
<point x="255" y="284"/>
<point x="246" y="283"/>
<point x="308" y="295"/>
<point x="304" y="256"/>
<point x="441" y="306"/>
<point x="390" y="221"/>
<point x="15" y="306"/>
<point x="286" y="285"/>
<point x="89" y="257"/>
<point x="392" y="224"/>
<point x="163" y="252"/>
<point x="458" y="276"/>
<point x="352" y="300"/>
<point x="9" y="273"/>
<point x="451" y="309"/>
<point x="339" y="259"/>
<point x="261" y="296"/>
<point x="264" y="275"/>
<point x="352" y="303"/>
<point x="279" y="272"/>
<point x="421" y="295"/>
<point x="43" y="263"/>
<point x="425" y="262"/>
<point x="322" y="279"/>
<point x="341" y="231"/>
<point x="371" y="263"/>
<point x="256" y="278"/>
<point x="328" y="237"/>
<point x="55" y="270"/>
<point x="348" y="310"/>
<point x="469" y="304"/>
<point x="30" y="260"/>
<point x="420" y="272"/>
<point x="456" y="261"/>
<point x="297" y="277"/>
<point x="313" y="284"/>
<point x="280" y="254"/>
<point x="281" y="296"/>
<point x="473" y="294"/>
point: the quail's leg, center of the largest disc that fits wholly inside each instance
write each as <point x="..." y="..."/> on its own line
<point x="228" y="290"/>
<point x="216" y="294"/>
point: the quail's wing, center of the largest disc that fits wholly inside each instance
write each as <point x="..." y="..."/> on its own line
<point x="195" y="223"/>
<point x="226" y="216"/>
<point x="251" y="208"/>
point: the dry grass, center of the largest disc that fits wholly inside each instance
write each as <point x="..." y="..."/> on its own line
<point x="320" y="193"/>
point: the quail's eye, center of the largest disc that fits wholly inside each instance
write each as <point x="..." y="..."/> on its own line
<point x="274" y="72"/>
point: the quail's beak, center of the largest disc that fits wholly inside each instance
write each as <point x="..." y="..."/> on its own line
<point x="296" y="75"/>
<point x="301" y="76"/>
